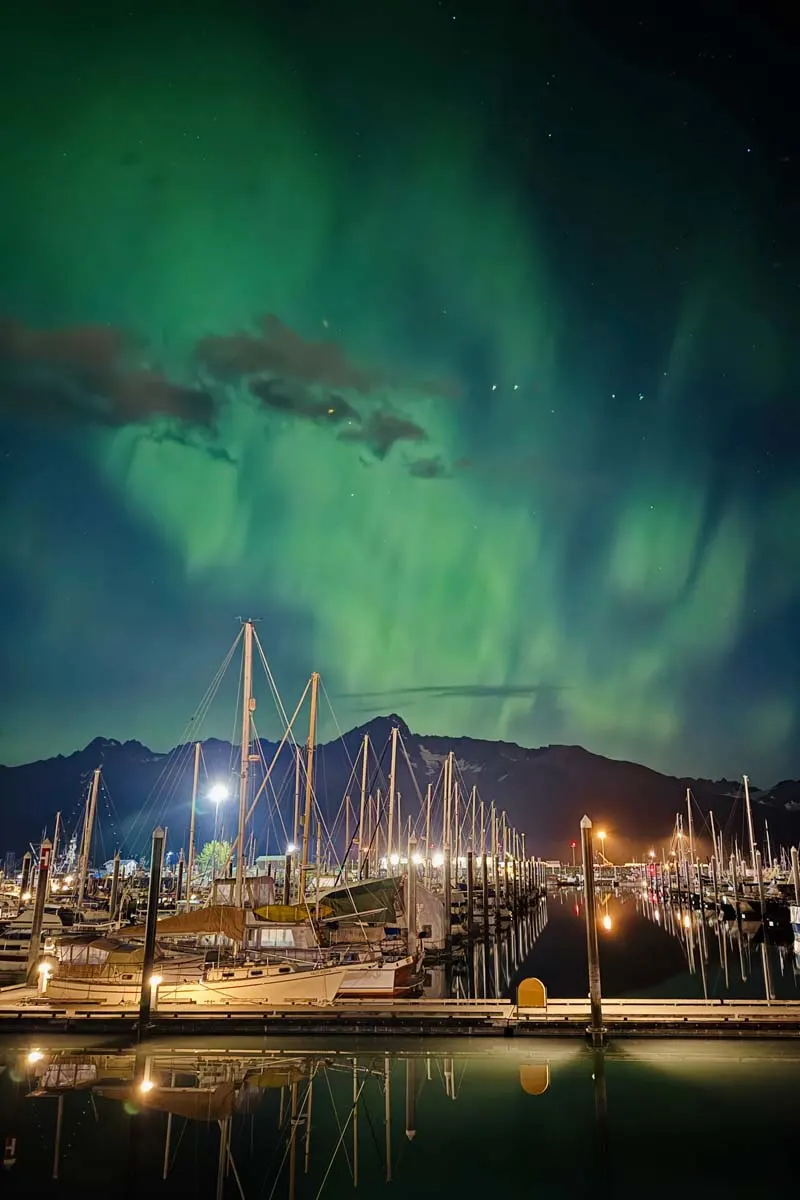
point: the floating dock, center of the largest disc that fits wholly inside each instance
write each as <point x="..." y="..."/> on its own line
<point x="21" y="1013"/>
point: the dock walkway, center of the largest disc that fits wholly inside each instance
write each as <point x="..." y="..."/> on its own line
<point x="21" y="1010"/>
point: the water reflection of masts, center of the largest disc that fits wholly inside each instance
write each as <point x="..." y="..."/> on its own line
<point x="293" y="1142"/>
<point x="411" y="1099"/>
<point x="387" y="1113"/>
<point x="355" y="1122"/>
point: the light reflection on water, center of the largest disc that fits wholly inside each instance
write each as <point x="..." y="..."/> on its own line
<point x="258" y="1119"/>
<point x="652" y="950"/>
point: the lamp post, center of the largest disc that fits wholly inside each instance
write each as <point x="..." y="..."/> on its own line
<point x="218" y="794"/>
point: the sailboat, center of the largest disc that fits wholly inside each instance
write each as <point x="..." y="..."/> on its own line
<point x="108" y="971"/>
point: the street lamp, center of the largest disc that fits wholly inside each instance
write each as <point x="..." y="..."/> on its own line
<point x="218" y="793"/>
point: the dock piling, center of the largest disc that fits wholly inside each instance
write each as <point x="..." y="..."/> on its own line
<point x="470" y="893"/>
<point x="146" y="993"/>
<point x="35" y="947"/>
<point x="595" y="1030"/>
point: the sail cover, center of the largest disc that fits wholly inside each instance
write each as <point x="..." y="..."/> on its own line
<point x="217" y="918"/>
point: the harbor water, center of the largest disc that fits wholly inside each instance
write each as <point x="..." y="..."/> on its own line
<point x="329" y="1117"/>
<point x="409" y="1120"/>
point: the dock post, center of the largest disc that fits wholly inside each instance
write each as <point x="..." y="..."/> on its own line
<point x="515" y="883"/>
<point x="145" y="994"/>
<point x="762" y="903"/>
<point x="448" y="899"/>
<point x="287" y="879"/>
<point x="485" y="894"/>
<point x="35" y="948"/>
<point x="179" y="880"/>
<point x="595" y="1030"/>
<point x="26" y="875"/>
<point x="114" y="896"/>
<point x="411" y="899"/>
<point x="795" y="875"/>
<point x="470" y="894"/>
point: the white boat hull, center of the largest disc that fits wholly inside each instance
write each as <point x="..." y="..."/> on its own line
<point x="374" y="980"/>
<point x="237" y="986"/>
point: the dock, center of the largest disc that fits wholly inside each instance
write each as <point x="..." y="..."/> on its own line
<point x="21" y="1013"/>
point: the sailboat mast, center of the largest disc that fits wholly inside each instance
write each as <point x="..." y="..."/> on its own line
<point x="244" y="768"/>
<point x="750" y="830"/>
<point x="691" y="839"/>
<point x="54" y="852"/>
<point x="190" y="863"/>
<point x="312" y="736"/>
<point x="88" y="829"/>
<point x="362" y="803"/>
<point x="392" y="779"/>
<point x="296" y="819"/>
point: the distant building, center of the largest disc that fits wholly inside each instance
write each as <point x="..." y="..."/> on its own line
<point x="10" y="864"/>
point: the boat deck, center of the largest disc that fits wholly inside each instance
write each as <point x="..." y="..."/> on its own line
<point x="22" y="1009"/>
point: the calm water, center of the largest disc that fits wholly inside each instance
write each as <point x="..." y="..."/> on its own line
<point x="648" y="951"/>
<point x="434" y="1119"/>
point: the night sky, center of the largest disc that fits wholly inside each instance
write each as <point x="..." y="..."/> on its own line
<point x="458" y="345"/>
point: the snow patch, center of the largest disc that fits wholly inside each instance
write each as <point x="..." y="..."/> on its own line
<point x="433" y="762"/>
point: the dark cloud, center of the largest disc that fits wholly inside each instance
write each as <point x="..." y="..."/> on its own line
<point x="88" y="354"/>
<point x="79" y="374"/>
<point x="382" y="429"/>
<point x="193" y="438"/>
<point x="281" y="397"/>
<point x="278" y="350"/>
<point x="429" y="468"/>
<point x="466" y="691"/>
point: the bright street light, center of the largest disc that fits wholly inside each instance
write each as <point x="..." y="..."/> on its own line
<point x="290" y="849"/>
<point x="218" y="793"/>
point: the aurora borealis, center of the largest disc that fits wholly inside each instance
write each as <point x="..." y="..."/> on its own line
<point x="460" y="350"/>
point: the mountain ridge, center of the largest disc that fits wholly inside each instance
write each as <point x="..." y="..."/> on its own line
<point x="545" y="789"/>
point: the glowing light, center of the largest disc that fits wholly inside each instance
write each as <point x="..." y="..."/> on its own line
<point x="156" y="980"/>
<point x="146" y="1085"/>
<point x="394" y="859"/>
<point x="601" y="833"/>
<point x="416" y="859"/>
<point x="45" y="970"/>
<point x="25" y="897"/>
<point x="35" y="1056"/>
<point x="437" y="860"/>
<point x="68" y="878"/>
<point x="218" y="793"/>
<point x="687" y="922"/>
<point x="607" y="922"/>
<point x="290" y="849"/>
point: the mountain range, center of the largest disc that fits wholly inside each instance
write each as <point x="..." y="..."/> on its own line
<point x="545" y="791"/>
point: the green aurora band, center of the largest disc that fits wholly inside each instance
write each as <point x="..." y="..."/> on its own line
<point x="561" y="552"/>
